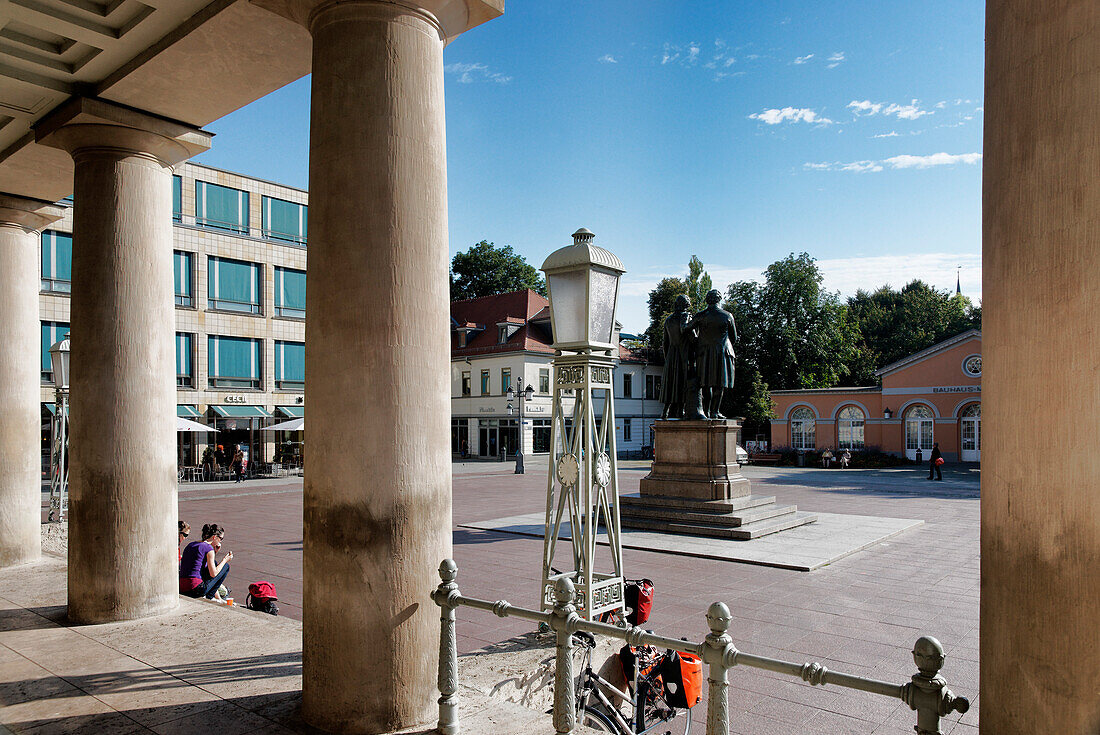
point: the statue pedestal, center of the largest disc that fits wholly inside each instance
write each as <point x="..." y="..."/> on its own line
<point x="696" y="459"/>
<point x="695" y="487"/>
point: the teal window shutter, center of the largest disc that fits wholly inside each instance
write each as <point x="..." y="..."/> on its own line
<point x="221" y="207"/>
<point x="52" y="332"/>
<point x="234" y="362"/>
<point x="290" y="364"/>
<point x="177" y="198"/>
<point x="57" y="261"/>
<point x="233" y="285"/>
<point x="184" y="359"/>
<point x="290" y="293"/>
<point x="284" y="220"/>
<point x="181" y="276"/>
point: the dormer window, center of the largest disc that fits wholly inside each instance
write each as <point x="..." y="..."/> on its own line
<point x="462" y="337"/>
<point x="506" y="329"/>
<point x="502" y="335"/>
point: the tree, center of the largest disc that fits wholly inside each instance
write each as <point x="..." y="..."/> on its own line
<point x="894" y="324"/>
<point x="485" y="270"/>
<point x="661" y="300"/>
<point x="698" y="284"/>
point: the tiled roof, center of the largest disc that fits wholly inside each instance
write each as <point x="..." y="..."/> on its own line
<point x="517" y="307"/>
<point x="938" y="347"/>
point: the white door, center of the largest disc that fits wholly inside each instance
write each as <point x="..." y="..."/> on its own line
<point x="972" y="434"/>
<point x="918" y="432"/>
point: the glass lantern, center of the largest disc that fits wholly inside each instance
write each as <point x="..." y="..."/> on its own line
<point x="583" y="284"/>
<point x="59" y="360"/>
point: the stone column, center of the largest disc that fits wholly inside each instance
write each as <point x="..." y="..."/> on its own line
<point x="122" y="437"/>
<point x="21" y="220"/>
<point x="378" y="482"/>
<point x="1040" y="535"/>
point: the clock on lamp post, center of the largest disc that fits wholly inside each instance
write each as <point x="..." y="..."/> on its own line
<point x="582" y="484"/>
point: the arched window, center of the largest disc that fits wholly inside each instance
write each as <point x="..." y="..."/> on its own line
<point x="918" y="431"/>
<point x="802" y="428"/>
<point x="970" y="427"/>
<point x="974" y="410"/>
<point x="849" y="428"/>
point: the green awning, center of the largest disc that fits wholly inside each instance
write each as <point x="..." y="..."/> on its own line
<point x="292" y="412"/>
<point x="187" y="412"/>
<point x="241" y="412"/>
<point x="51" y="407"/>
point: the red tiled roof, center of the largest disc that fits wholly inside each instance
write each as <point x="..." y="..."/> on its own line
<point x="517" y="307"/>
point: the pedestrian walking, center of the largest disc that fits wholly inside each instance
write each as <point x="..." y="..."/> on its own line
<point x="238" y="462"/>
<point x="935" y="462"/>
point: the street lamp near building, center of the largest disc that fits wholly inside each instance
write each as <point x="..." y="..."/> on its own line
<point x="582" y="482"/>
<point x="525" y="398"/>
<point x="59" y="442"/>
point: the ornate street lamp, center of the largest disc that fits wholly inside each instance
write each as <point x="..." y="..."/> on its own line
<point x="59" y="466"/>
<point x="582" y="482"/>
<point x="524" y="398"/>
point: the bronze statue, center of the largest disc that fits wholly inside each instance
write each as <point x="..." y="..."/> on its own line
<point x="715" y="334"/>
<point x="678" y="349"/>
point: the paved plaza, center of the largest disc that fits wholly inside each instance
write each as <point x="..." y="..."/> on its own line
<point x="860" y="614"/>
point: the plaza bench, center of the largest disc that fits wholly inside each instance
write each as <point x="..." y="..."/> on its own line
<point x="765" y="458"/>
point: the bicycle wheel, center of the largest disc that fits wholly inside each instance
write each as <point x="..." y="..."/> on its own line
<point x="595" y="720"/>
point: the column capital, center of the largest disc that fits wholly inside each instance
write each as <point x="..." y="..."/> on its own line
<point x="32" y="215"/>
<point x="452" y="17"/>
<point x="85" y="123"/>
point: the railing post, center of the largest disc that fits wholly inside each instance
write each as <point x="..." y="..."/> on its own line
<point x="927" y="693"/>
<point x="563" y="621"/>
<point x="444" y="596"/>
<point x="720" y="655"/>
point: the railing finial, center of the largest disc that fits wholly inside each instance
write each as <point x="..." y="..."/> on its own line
<point x="448" y="570"/>
<point x="718" y="618"/>
<point x="927" y="692"/>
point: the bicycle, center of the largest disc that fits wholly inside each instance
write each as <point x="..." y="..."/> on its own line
<point x="649" y="706"/>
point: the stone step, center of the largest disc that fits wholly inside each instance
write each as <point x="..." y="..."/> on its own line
<point x="730" y="520"/>
<point x="746" y="532"/>
<point x="717" y="507"/>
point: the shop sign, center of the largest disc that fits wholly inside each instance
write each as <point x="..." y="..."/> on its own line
<point x="236" y="399"/>
<point x="486" y="409"/>
<point x="958" y="389"/>
<point x="535" y="409"/>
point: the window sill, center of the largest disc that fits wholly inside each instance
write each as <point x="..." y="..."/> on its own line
<point x="289" y="318"/>
<point x="231" y="312"/>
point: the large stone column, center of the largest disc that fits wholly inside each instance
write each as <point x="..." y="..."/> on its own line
<point x="20" y="414"/>
<point x="1040" y="591"/>
<point x="122" y="438"/>
<point x="378" y="483"/>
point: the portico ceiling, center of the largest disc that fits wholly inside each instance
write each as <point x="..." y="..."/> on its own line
<point x="193" y="61"/>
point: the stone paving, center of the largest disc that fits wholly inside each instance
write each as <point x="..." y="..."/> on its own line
<point x="858" y="615"/>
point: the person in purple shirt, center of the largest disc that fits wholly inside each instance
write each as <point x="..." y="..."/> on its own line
<point x="200" y="575"/>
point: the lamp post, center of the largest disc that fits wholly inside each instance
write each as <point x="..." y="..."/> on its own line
<point x="582" y="484"/>
<point x="526" y="397"/>
<point x="59" y="466"/>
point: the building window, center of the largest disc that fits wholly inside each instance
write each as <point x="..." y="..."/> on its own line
<point x="972" y="366"/>
<point x="540" y="436"/>
<point x="628" y="385"/>
<point x="849" y="428"/>
<point x="462" y="338"/>
<point x="290" y="293"/>
<point x="502" y="335"/>
<point x="185" y="360"/>
<point x="544" y="381"/>
<point x="460" y="437"/>
<point x="52" y="333"/>
<point x="802" y="428"/>
<point x="505" y="379"/>
<point x="918" y="429"/>
<point x="221" y="208"/>
<point x="177" y="199"/>
<point x="284" y="220"/>
<point x="234" y="362"/>
<point x="466" y="383"/>
<point x="57" y="262"/>
<point x="652" y="387"/>
<point x="484" y="382"/>
<point x="234" y="285"/>
<point x="290" y="365"/>
<point x="626" y="430"/>
<point x="183" y="278"/>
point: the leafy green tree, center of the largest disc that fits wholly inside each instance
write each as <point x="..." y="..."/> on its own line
<point x="661" y="300"/>
<point x="485" y="270"/>
<point x="894" y="324"/>
<point x="698" y="284"/>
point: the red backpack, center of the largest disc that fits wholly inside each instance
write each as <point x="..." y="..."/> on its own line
<point x="262" y="597"/>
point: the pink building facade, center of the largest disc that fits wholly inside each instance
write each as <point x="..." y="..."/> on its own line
<point x="933" y="396"/>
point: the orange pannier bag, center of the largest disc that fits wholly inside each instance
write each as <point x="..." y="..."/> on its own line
<point x="683" y="677"/>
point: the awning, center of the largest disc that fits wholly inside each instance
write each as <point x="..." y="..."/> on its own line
<point x="51" y="407"/>
<point x="241" y="412"/>
<point x="292" y="412"/>
<point x="184" y="426"/>
<point x="292" y="425"/>
<point x="187" y="412"/>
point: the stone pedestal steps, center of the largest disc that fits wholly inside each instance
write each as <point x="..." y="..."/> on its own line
<point x="742" y="518"/>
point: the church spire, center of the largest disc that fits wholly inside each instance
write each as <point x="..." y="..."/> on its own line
<point x="958" y="280"/>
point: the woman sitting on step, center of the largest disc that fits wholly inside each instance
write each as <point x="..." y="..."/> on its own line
<point x="200" y="576"/>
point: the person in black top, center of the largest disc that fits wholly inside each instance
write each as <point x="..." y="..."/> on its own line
<point x="934" y="463"/>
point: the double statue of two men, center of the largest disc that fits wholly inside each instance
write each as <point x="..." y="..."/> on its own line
<point x="698" y="360"/>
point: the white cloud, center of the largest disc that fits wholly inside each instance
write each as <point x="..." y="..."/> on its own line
<point x="730" y="62"/>
<point x="935" y="159"/>
<point x="940" y="105"/>
<point x="693" y="53"/>
<point x="469" y="73"/>
<point x="891" y="134"/>
<point x="608" y="59"/>
<point x="912" y="111"/>
<point x="897" y="162"/>
<point x="836" y="59"/>
<point x="790" y="114"/>
<point x="802" y="59"/>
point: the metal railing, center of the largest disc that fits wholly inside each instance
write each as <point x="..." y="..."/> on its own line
<point x="926" y="693"/>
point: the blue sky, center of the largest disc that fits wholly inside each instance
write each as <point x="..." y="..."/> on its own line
<point x="736" y="131"/>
